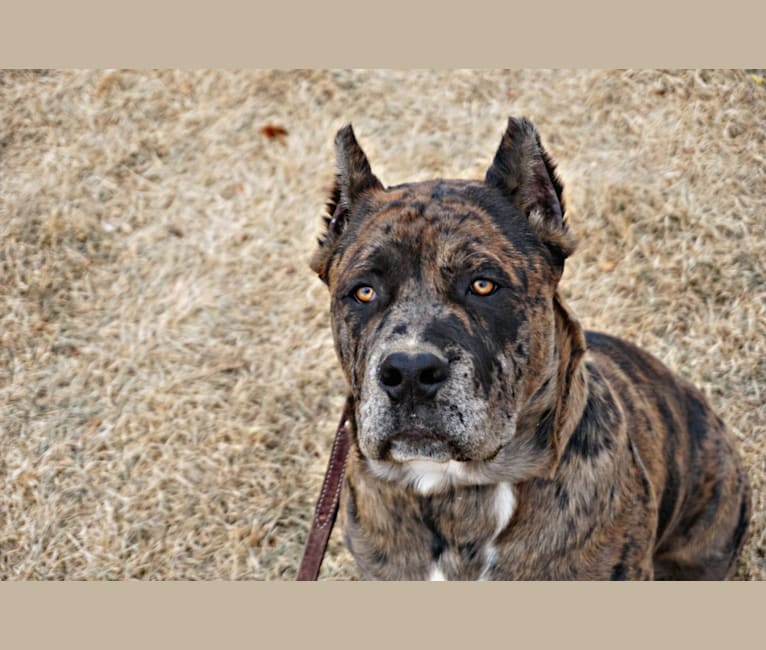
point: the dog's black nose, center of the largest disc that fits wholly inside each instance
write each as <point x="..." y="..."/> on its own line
<point x="416" y="375"/>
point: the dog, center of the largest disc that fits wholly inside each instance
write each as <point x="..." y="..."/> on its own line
<point x="492" y="438"/>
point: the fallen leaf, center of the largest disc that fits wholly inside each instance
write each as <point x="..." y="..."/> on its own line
<point x="273" y="131"/>
<point x="607" y="265"/>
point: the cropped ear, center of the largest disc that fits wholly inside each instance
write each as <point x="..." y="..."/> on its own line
<point x="354" y="174"/>
<point x="354" y="178"/>
<point x="525" y="173"/>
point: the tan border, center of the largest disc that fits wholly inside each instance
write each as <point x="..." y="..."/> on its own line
<point x="395" y="33"/>
<point x="292" y="615"/>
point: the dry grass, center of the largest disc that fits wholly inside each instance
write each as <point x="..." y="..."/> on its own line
<point x="168" y="384"/>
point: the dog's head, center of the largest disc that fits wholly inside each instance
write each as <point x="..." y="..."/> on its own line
<point x="443" y="308"/>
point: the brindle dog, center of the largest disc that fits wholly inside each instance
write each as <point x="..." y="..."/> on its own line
<point x="492" y="438"/>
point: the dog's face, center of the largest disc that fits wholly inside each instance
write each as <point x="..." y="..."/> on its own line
<point x="442" y="306"/>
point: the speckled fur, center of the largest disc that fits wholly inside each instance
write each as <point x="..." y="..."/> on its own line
<point x="579" y="455"/>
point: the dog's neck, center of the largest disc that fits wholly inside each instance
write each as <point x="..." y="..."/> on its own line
<point x="573" y="377"/>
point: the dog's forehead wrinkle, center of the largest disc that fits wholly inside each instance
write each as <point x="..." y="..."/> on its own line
<point x="435" y="252"/>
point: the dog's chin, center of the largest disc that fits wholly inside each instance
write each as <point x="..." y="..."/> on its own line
<point x="421" y="444"/>
<point x="404" y="449"/>
<point x="427" y="476"/>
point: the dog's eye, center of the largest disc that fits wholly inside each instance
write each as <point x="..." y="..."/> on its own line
<point x="482" y="287"/>
<point x="365" y="294"/>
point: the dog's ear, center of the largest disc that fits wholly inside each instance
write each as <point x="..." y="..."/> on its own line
<point x="354" y="174"/>
<point x="353" y="179"/>
<point x="525" y="173"/>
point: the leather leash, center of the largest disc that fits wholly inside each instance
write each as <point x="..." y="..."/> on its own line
<point x="327" y="505"/>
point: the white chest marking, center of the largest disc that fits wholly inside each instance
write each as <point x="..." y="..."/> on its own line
<point x="489" y="560"/>
<point x="505" y="504"/>
<point x="436" y="574"/>
<point x="427" y="476"/>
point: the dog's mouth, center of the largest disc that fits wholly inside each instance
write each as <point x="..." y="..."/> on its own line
<point x="417" y="443"/>
<point x="430" y="466"/>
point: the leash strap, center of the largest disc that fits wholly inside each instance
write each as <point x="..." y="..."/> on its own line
<point x="327" y="506"/>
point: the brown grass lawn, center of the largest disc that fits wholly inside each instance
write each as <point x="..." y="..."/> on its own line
<point x="168" y="385"/>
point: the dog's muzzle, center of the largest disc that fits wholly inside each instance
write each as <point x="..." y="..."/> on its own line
<point x="411" y="382"/>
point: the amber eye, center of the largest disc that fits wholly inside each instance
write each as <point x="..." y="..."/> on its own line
<point x="482" y="287"/>
<point x="365" y="294"/>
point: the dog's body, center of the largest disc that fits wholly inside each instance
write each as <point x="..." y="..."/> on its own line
<point x="492" y="438"/>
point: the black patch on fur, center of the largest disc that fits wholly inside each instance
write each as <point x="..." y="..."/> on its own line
<point x="618" y="572"/>
<point x="668" y="501"/>
<point x="599" y="340"/>
<point x="594" y="432"/>
<point x="469" y="551"/>
<point x="627" y="356"/>
<point x="672" y="489"/>
<point x="742" y="522"/>
<point x="523" y="281"/>
<point x="393" y="205"/>
<point x="439" y="191"/>
<point x="543" y="431"/>
<point x="400" y="329"/>
<point x="449" y="332"/>
<point x="438" y="541"/>
<point x="695" y="419"/>
<point x="396" y="261"/>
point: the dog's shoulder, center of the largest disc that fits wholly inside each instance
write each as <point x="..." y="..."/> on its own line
<point x="687" y="450"/>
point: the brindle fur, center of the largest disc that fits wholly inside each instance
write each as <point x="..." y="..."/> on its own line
<point x="618" y="469"/>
